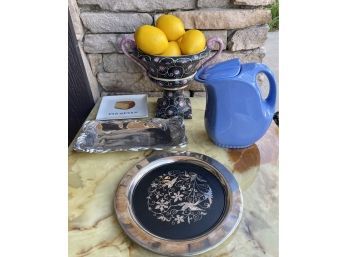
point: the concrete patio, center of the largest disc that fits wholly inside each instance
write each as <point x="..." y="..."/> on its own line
<point x="272" y="57"/>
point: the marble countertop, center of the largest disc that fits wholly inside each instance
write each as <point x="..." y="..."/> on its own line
<point x="93" y="179"/>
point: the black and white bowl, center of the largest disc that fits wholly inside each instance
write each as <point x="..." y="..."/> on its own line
<point x="170" y="72"/>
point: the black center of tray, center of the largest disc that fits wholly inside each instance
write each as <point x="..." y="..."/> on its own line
<point x="179" y="201"/>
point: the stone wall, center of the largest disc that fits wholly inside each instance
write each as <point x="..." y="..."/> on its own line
<point x="100" y="25"/>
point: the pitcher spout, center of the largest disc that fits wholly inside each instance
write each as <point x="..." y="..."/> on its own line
<point x="226" y="70"/>
<point x="199" y="75"/>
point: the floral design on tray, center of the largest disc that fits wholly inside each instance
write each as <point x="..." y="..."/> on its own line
<point x="179" y="197"/>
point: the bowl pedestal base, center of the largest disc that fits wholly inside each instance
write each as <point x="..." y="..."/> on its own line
<point x="173" y="103"/>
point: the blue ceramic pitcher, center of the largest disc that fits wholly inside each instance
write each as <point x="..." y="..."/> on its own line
<point x="236" y="115"/>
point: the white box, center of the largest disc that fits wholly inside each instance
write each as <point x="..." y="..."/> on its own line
<point x="123" y="107"/>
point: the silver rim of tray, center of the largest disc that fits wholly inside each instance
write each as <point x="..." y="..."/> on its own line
<point x="214" y="237"/>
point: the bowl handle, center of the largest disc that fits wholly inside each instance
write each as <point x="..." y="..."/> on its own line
<point x="210" y="44"/>
<point x="128" y="43"/>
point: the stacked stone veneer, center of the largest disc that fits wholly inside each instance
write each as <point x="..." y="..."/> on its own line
<point x="100" y="25"/>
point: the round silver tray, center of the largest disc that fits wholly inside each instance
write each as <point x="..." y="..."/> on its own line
<point x="178" y="204"/>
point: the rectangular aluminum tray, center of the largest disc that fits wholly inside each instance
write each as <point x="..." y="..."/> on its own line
<point x="131" y="135"/>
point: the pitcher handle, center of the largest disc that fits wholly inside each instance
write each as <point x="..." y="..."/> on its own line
<point x="128" y="43"/>
<point x="272" y="95"/>
<point x="210" y="43"/>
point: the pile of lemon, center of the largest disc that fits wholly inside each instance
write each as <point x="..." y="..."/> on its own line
<point x="169" y="38"/>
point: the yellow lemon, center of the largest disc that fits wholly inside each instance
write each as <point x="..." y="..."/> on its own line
<point x="192" y="42"/>
<point x="179" y="40"/>
<point x="151" y="40"/>
<point x="173" y="49"/>
<point x="171" y="25"/>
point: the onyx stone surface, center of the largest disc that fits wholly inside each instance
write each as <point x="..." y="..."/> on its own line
<point x="93" y="178"/>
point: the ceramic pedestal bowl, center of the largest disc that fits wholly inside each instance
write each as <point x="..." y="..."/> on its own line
<point x="172" y="73"/>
